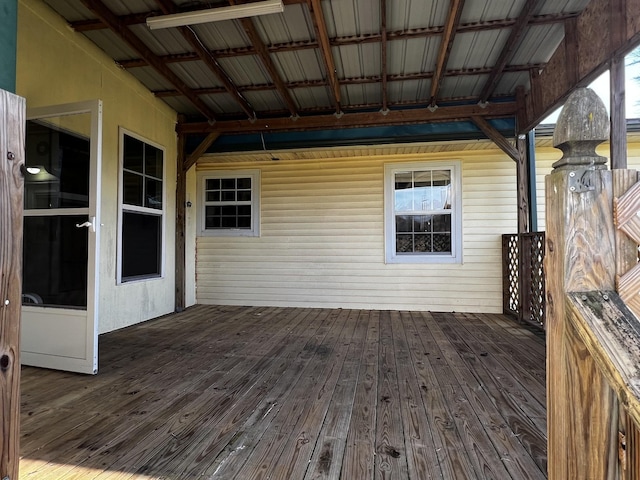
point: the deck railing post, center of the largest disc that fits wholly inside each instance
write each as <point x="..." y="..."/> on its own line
<point x="580" y="257"/>
<point x="12" y="141"/>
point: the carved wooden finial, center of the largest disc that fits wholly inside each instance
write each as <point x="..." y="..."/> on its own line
<point x="582" y="126"/>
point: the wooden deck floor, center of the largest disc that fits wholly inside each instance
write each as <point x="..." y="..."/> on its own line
<point x="257" y="393"/>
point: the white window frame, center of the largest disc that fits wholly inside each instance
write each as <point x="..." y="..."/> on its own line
<point x="122" y="207"/>
<point x="456" y="213"/>
<point x="254" y="231"/>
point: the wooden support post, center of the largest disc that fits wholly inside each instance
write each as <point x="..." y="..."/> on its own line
<point x="184" y="164"/>
<point x="618" y="145"/>
<point x="181" y="198"/>
<point x="12" y="140"/>
<point x="580" y="257"/>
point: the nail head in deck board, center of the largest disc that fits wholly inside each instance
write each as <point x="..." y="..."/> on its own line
<point x="278" y="408"/>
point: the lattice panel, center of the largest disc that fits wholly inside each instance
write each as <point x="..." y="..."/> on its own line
<point x="627" y="213"/>
<point x="511" y="259"/>
<point x="537" y="285"/>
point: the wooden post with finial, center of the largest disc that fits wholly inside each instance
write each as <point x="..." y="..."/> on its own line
<point x="580" y="257"/>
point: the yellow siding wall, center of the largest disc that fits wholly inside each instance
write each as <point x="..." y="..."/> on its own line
<point x="57" y="65"/>
<point x="322" y="239"/>
<point x="546" y="156"/>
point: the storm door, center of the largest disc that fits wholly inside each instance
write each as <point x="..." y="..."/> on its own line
<point x="61" y="233"/>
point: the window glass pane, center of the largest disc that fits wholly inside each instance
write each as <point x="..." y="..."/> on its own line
<point x="441" y="243"/>
<point x="152" y="161"/>
<point x="212" y="217"/>
<point x="228" y="183"/>
<point x="404" y="243"/>
<point x="228" y="196"/>
<point x="441" y="189"/>
<point x="132" y="188"/>
<point x="213" y="184"/>
<point x="213" y="196"/>
<point x="57" y="168"/>
<point x="244" y="196"/>
<point x="133" y="154"/>
<point x="153" y="194"/>
<point x="403" y="192"/>
<point x="141" y="245"/>
<point x="244" y="184"/>
<point x="422" y="243"/>
<point x="55" y="252"/>
<point x="404" y="223"/>
<point x="442" y="223"/>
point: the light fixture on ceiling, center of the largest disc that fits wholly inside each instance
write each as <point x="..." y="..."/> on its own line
<point x="216" y="14"/>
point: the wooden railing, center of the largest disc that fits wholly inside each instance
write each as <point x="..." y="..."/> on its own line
<point x="593" y="338"/>
<point x="523" y="277"/>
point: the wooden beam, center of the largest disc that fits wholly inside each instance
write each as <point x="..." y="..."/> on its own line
<point x="618" y="144"/>
<point x="200" y="150"/>
<point x="383" y="54"/>
<point x="168" y="7"/>
<point x="451" y="26"/>
<point x="267" y="61"/>
<point x="517" y="31"/>
<point x="325" y="49"/>
<point x="497" y="138"/>
<point x="607" y="33"/>
<point x="353" y="120"/>
<point x="109" y="18"/>
<point x="12" y="157"/>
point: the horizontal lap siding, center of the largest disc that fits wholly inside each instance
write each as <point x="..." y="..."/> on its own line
<point x="322" y="240"/>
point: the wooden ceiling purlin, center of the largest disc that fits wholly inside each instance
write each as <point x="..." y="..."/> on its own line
<point x="517" y="31"/>
<point x="168" y="7"/>
<point x="138" y="18"/>
<point x="267" y="61"/>
<point x="451" y="26"/>
<point x="351" y="81"/>
<point x="325" y="49"/>
<point x="121" y="30"/>
<point x="383" y="54"/>
<point x="354" y="120"/>
<point x="606" y="29"/>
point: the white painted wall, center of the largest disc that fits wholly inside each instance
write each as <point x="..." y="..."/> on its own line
<point x="322" y="237"/>
<point x="57" y="65"/>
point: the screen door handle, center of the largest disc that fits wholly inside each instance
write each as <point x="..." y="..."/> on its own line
<point x="91" y="223"/>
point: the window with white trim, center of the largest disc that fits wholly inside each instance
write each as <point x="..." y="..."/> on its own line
<point x="229" y="203"/>
<point x="423" y="214"/>
<point x="141" y="212"/>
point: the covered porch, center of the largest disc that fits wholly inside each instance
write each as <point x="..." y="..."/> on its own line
<point x="295" y="393"/>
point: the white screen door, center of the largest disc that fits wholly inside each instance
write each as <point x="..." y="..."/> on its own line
<point x="61" y="237"/>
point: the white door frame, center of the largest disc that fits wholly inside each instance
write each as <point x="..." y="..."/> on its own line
<point x="45" y="322"/>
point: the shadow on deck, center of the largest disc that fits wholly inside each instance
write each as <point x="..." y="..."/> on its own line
<point x="290" y="393"/>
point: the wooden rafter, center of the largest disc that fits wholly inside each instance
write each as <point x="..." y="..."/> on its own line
<point x="505" y="55"/>
<point x="121" y="30"/>
<point x="168" y="7"/>
<point x="353" y="120"/>
<point x="267" y="61"/>
<point x="325" y="48"/>
<point x="451" y="26"/>
<point x="383" y="53"/>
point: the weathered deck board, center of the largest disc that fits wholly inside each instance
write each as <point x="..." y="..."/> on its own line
<point x="256" y="393"/>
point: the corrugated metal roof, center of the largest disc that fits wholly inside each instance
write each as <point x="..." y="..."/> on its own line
<point x="414" y="29"/>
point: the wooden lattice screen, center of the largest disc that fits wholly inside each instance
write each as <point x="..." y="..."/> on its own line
<point x="627" y="218"/>
<point x="523" y="276"/>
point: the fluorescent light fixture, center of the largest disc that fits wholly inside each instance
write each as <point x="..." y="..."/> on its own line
<point x="216" y="14"/>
